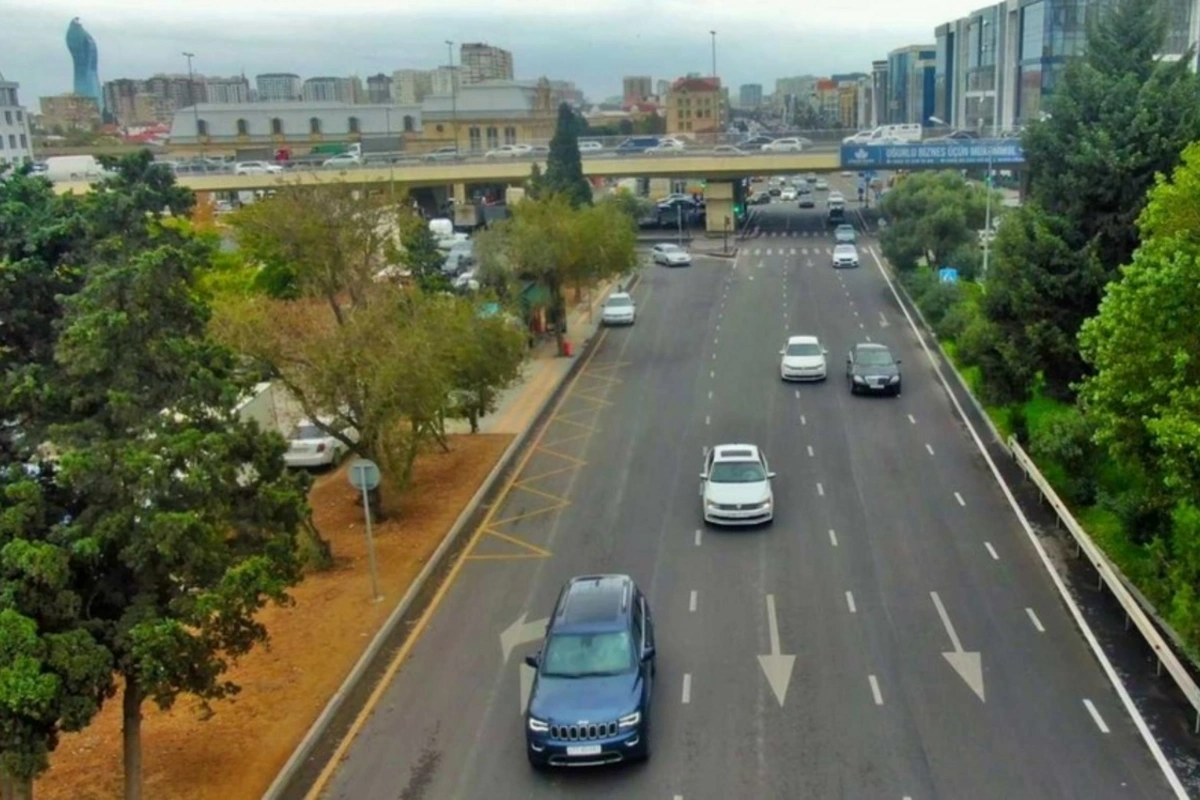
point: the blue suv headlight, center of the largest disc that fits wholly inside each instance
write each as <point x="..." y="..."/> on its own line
<point x="629" y="720"/>
<point x="538" y="726"/>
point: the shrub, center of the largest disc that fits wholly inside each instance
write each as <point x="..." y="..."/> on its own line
<point x="956" y="320"/>
<point x="937" y="299"/>
<point x="1063" y="447"/>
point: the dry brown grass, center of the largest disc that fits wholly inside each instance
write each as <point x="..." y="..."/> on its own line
<point x="237" y="752"/>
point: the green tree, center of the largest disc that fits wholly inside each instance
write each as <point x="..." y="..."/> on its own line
<point x="490" y="347"/>
<point x="562" y="248"/>
<point x="931" y="217"/>
<point x="1119" y="116"/>
<point x="564" y="165"/>
<point x="420" y="254"/>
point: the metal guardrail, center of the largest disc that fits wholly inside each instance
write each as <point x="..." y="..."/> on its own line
<point x="1137" y="609"/>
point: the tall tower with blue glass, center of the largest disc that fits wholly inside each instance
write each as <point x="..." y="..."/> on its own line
<point x="86" y="59"/>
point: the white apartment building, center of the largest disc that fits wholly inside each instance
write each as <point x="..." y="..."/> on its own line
<point x="16" y="142"/>
<point x="332" y="90"/>
<point x="226" y="90"/>
<point x="483" y="62"/>
<point x="278" y="87"/>
<point x="411" y="86"/>
<point x="446" y="80"/>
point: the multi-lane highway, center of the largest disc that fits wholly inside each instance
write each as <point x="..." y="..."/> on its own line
<point x="933" y="657"/>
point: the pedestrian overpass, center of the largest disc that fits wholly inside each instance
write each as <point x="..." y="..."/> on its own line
<point x="723" y="172"/>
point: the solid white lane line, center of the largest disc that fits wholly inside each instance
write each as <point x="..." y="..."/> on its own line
<point x="850" y="602"/>
<point x="928" y="446"/>
<point x="875" y="690"/>
<point x="991" y="550"/>
<point x="687" y="687"/>
<point x="833" y="537"/>
<point x="912" y="419"/>
<point x="958" y="497"/>
<point x="803" y="421"/>
<point x="820" y="490"/>
<point x="1037" y="623"/>
<point x="697" y="537"/>
<point x="1095" y="716"/>
<point x="692" y="601"/>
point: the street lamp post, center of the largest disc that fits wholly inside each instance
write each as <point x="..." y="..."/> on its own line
<point x="453" y="94"/>
<point x="387" y="112"/>
<point x="192" y="97"/>
<point x="713" y="34"/>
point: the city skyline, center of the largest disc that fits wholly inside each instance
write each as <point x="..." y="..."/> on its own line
<point x="311" y="40"/>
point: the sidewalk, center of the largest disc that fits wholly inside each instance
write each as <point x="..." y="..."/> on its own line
<point x="541" y="374"/>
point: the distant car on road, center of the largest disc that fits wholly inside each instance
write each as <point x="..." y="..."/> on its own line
<point x="787" y="194"/>
<point x="511" y="151"/>
<point x="256" y="168"/>
<point x="342" y="160"/>
<point x="845" y="234"/>
<point x="802" y="359"/>
<point x="806" y="201"/>
<point x="671" y="255"/>
<point x="822" y="185"/>
<point x="736" y="486"/>
<point x="588" y="146"/>
<point x="789" y="144"/>
<point x="619" y="309"/>
<point x="447" y="153"/>
<point x="589" y="703"/>
<point x="870" y="367"/>
<point x="845" y="255"/>
<point x="728" y="150"/>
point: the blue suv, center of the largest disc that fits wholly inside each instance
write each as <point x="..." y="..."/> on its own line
<point x="590" y="699"/>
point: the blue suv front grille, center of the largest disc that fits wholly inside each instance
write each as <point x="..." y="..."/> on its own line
<point x="576" y="733"/>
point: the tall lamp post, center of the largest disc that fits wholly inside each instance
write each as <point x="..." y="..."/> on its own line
<point x="720" y="110"/>
<point x="987" y="214"/>
<point x="195" y="101"/>
<point x="453" y="94"/>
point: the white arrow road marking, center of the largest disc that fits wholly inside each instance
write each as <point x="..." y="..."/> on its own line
<point x="525" y="676"/>
<point x="883" y="323"/>
<point x="969" y="666"/>
<point x="521" y="632"/>
<point x="777" y="667"/>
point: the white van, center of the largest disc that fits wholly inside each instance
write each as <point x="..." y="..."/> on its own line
<point x="888" y="134"/>
<point x="73" y="168"/>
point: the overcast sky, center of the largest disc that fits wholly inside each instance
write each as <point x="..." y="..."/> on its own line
<point x="590" y="42"/>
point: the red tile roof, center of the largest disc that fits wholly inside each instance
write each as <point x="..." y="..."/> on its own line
<point x="696" y="85"/>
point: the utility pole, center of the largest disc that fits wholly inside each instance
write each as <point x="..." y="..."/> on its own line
<point x="716" y="80"/>
<point x="713" y="34"/>
<point x="453" y="95"/>
<point x="195" y="101"/>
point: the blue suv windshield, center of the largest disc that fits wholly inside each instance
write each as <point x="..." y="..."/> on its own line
<point x="582" y="655"/>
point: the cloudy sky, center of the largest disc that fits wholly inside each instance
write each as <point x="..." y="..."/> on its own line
<point x="590" y="42"/>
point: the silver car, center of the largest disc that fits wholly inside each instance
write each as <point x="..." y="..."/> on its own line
<point x="619" y="309"/>
<point x="736" y="486"/>
<point x="845" y="255"/>
<point x="671" y="255"/>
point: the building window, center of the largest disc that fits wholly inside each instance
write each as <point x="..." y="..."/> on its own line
<point x="24" y="141"/>
<point x="510" y="135"/>
<point x="243" y="128"/>
<point x="441" y="128"/>
<point x="276" y="126"/>
<point x="354" y="125"/>
<point x="410" y="124"/>
<point x="314" y="126"/>
<point x="1033" y="30"/>
<point x="8" y="117"/>
<point x="20" y="117"/>
<point x="474" y="137"/>
<point x="201" y="127"/>
<point x="493" y="138"/>
<point x="12" y="141"/>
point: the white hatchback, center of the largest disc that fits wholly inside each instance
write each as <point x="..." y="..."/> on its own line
<point x="736" y="486"/>
<point x="803" y="359"/>
<point x="619" y="309"/>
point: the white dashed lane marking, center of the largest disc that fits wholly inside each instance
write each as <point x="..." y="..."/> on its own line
<point x="833" y="537"/>
<point x="1095" y="716"/>
<point x="991" y="550"/>
<point x="1037" y="623"/>
<point x="875" y="690"/>
<point x="959" y="498"/>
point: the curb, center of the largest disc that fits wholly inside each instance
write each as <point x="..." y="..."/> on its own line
<point x="393" y="633"/>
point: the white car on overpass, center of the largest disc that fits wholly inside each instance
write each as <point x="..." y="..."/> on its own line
<point x="736" y="486"/>
<point x="256" y="168"/>
<point x="790" y="144"/>
<point x="510" y="151"/>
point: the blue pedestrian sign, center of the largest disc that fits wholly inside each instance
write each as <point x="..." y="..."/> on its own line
<point x="948" y="275"/>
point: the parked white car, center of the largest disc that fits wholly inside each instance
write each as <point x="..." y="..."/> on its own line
<point x="256" y="168"/>
<point x="803" y="359"/>
<point x="310" y="446"/>
<point x="619" y="309"/>
<point x="736" y="486"/>
<point x="671" y="255"/>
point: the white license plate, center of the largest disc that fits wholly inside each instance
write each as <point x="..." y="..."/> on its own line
<point x="584" y="750"/>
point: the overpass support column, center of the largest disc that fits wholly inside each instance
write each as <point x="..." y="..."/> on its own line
<point x="460" y="194"/>
<point x="718" y="202"/>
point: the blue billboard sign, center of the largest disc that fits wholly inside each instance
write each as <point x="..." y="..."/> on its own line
<point x="946" y="155"/>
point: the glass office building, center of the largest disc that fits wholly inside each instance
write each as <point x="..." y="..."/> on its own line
<point x="86" y="58"/>
<point x="912" y="82"/>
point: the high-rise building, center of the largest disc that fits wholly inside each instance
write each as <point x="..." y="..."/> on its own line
<point x="662" y="88"/>
<point x="16" y="141"/>
<point x="86" y="59"/>
<point x="332" y="90"/>
<point x="177" y="91"/>
<point x="911" y="73"/>
<point x="379" y="89"/>
<point x="411" y="86"/>
<point x="227" y="90"/>
<point x="694" y="105"/>
<point x="880" y="86"/>
<point x="750" y="95"/>
<point x="566" y="92"/>
<point x="484" y="62"/>
<point x="278" y="87"/>
<point x="636" y="89"/>
<point x="446" y="80"/>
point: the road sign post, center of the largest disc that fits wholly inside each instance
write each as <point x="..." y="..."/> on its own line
<point x="364" y="476"/>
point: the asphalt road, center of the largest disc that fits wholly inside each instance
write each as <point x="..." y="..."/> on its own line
<point x="892" y="546"/>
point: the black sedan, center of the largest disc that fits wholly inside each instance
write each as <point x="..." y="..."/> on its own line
<point x="870" y="368"/>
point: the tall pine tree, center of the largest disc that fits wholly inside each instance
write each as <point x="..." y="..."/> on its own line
<point x="564" y="165"/>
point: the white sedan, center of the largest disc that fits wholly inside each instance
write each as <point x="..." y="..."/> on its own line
<point x="619" y="309"/>
<point x="736" y="486"/>
<point x="671" y="255"/>
<point x="787" y="194"/>
<point x="256" y="168"/>
<point x="803" y="359"/>
<point x="342" y="160"/>
<point x="510" y="151"/>
<point x="312" y="446"/>
<point x="791" y="144"/>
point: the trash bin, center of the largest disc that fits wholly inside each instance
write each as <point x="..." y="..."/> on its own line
<point x="567" y="349"/>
